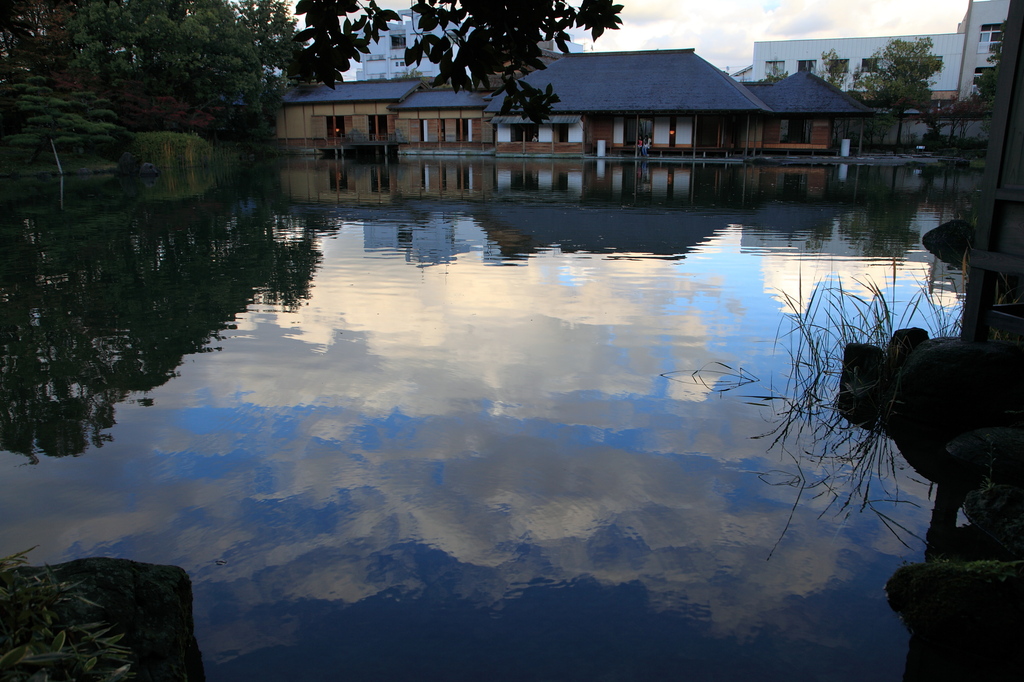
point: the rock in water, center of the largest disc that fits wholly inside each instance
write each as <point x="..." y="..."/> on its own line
<point x="995" y="453"/>
<point x="949" y="386"/>
<point x="126" y="164"/>
<point x="974" y="606"/>
<point x="950" y="241"/>
<point x="151" y="604"/>
<point x="999" y="511"/>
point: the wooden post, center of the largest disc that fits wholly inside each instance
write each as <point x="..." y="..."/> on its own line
<point x="54" y="148"/>
<point x="999" y="238"/>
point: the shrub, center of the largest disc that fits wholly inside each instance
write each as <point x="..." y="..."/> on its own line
<point x="171" y="149"/>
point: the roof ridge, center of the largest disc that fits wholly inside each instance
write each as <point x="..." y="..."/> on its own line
<point x="676" y="50"/>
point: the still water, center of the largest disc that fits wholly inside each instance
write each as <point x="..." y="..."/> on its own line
<point x="467" y="420"/>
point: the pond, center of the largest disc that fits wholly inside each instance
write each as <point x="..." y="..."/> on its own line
<point x="470" y="419"/>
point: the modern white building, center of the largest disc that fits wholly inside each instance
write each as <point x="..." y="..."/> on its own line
<point x="386" y="59"/>
<point x="964" y="53"/>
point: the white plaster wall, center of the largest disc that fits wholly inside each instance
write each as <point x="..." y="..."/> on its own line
<point x="661" y="129"/>
<point x="976" y="53"/>
<point x="949" y="46"/>
<point x="684" y="130"/>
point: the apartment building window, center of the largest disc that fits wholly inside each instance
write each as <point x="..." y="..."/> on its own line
<point x="869" y="64"/>
<point x="375" y="57"/>
<point x="398" y="42"/>
<point x="806" y="65"/>
<point x="399" y="63"/>
<point x="838" y="66"/>
<point x="774" y="68"/>
<point x="977" y="75"/>
<point x="991" y="35"/>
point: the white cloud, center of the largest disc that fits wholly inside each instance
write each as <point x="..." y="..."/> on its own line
<point x="724" y="32"/>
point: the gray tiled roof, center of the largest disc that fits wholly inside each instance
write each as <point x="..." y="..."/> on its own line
<point x="653" y="81"/>
<point x="805" y="93"/>
<point x="442" y="99"/>
<point x="352" y="91"/>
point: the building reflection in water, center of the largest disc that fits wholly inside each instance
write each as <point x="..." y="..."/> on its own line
<point x="527" y="205"/>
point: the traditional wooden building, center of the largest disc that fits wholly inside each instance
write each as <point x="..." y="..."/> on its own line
<point x="803" y="110"/>
<point x="431" y="121"/>
<point x="671" y="102"/>
<point x="353" y="114"/>
<point x="660" y="103"/>
<point x="673" y="98"/>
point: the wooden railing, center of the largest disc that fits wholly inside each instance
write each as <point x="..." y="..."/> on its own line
<point x="340" y="140"/>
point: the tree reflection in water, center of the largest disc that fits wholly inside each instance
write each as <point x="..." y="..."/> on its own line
<point x="106" y="297"/>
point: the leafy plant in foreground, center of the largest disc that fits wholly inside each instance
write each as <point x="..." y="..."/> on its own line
<point x="36" y="647"/>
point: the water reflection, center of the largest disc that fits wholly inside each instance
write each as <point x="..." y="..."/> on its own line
<point x="534" y="204"/>
<point x="408" y="463"/>
<point x="105" y="298"/>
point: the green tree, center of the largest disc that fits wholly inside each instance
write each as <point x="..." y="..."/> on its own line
<point x="988" y="78"/>
<point x="834" y="69"/>
<point x="41" y="48"/>
<point x="273" y="30"/>
<point x="775" y="76"/>
<point x="481" y="39"/>
<point x="957" y="114"/>
<point x="105" y="297"/>
<point x="194" y="51"/>
<point x="65" y="120"/>
<point x="902" y="77"/>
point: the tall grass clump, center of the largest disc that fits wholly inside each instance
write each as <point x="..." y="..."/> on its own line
<point x="35" y="646"/>
<point x="172" y="149"/>
<point x="808" y="425"/>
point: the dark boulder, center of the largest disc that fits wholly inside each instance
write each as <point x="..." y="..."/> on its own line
<point x="902" y="344"/>
<point x="126" y="164"/>
<point x="860" y="385"/>
<point x="999" y="511"/>
<point x="974" y="606"/>
<point x="949" y="386"/>
<point x="151" y="604"/>
<point x="995" y="453"/>
<point x="868" y="372"/>
<point x="148" y="170"/>
<point x="950" y="241"/>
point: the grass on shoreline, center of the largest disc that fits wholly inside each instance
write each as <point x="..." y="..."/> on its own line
<point x="14" y="161"/>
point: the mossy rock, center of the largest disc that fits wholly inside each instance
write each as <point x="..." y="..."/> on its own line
<point x="150" y="603"/>
<point x="999" y="511"/>
<point x="976" y="606"/>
